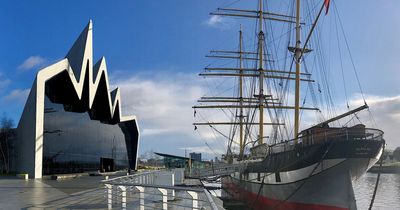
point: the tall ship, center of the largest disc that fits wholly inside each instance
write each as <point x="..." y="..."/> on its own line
<point x="291" y="144"/>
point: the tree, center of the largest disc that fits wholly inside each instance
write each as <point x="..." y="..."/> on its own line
<point x="387" y="153"/>
<point x="6" y="125"/>
<point x="396" y="154"/>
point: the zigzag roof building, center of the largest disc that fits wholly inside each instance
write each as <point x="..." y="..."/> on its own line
<point x="80" y="87"/>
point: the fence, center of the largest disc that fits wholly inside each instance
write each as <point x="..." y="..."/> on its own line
<point x="155" y="190"/>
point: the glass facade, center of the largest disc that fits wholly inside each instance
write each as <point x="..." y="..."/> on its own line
<point x="172" y="161"/>
<point x="72" y="143"/>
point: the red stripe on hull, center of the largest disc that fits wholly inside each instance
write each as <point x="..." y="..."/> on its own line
<point x="263" y="203"/>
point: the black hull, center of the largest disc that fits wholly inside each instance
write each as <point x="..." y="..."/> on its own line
<point x="313" y="177"/>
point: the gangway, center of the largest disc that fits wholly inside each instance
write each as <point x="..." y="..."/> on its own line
<point x="218" y="170"/>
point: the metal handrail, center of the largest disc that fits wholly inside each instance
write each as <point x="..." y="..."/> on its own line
<point x="129" y="177"/>
<point x="120" y="189"/>
<point x="156" y="186"/>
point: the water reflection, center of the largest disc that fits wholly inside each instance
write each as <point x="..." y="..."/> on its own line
<point x="388" y="194"/>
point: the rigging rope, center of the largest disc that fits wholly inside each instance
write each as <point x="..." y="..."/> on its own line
<point x="352" y="62"/>
<point x="341" y="65"/>
<point x="215" y="153"/>
<point x="348" y="49"/>
<point x="377" y="179"/>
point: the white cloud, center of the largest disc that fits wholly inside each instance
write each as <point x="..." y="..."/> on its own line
<point x="155" y="131"/>
<point x="162" y="104"/>
<point x="216" y="21"/>
<point x="384" y="115"/>
<point x="32" y="62"/>
<point x="17" y="96"/>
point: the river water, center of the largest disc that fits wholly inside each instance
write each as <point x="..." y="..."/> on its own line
<point x="388" y="194"/>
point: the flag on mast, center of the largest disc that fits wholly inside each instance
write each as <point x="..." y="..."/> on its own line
<point x="326" y="3"/>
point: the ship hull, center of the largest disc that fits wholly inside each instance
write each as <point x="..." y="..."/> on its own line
<point x="325" y="184"/>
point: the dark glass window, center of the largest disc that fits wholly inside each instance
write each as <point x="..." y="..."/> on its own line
<point x="72" y="142"/>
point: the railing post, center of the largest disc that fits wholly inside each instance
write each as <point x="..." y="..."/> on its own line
<point x="164" y="193"/>
<point x="194" y="196"/>
<point x="123" y="198"/>
<point x="172" y="184"/>
<point x="109" y="196"/>
<point x="141" y="197"/>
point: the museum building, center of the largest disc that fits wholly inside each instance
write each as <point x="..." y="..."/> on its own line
<point x="71" y="122"/>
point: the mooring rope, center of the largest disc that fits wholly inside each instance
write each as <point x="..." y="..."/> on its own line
<point x="377" y="179"/>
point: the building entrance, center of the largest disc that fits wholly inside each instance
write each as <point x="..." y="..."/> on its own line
<point x="106" y="164"/>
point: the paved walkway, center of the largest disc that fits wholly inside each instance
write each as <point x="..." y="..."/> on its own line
<point x="80" y="193"/>
<point x="85" y="192"/>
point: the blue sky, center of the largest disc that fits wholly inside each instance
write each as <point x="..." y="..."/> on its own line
<point x="158" y="47"/>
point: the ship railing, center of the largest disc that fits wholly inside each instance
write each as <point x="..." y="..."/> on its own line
<point x="143" y="191"/>
<point x="329" y="135"/>
<point x="343" y="134"/>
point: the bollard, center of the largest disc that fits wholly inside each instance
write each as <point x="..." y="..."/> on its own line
<point x="109" y="196"/>
<point x="141" y="197"/>
<point x="164" y="193"/>
<point x="123" y="195"/>
<point x="194" y="196"/>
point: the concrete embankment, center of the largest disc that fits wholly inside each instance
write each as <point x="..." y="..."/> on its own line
<point x="390" y="168"/>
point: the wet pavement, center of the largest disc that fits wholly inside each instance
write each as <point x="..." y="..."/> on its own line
<point x="85" y="192"/>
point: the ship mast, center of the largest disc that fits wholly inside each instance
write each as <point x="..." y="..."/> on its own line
<point x="246" y="101"/>
<point x="298" y="54"/>
<point x="241" y="142"/>
<point x="261" y="72"/>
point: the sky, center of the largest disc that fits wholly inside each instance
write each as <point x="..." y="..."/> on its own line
<point x="155" y="49"/>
